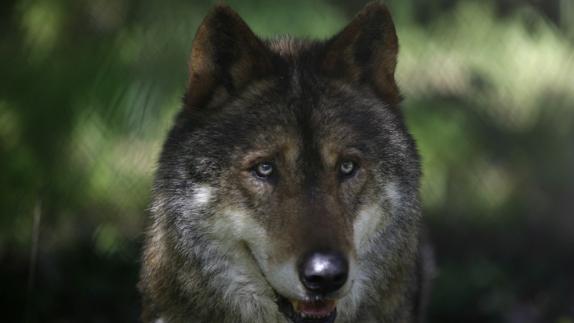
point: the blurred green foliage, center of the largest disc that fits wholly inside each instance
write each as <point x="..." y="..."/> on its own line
<point x="89" y="88"/>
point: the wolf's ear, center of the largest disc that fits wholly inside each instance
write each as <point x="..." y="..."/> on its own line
<point x="366" y="51"/>
<point x="225" y="56"/>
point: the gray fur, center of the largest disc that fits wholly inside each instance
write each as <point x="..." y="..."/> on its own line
<point x="215" y="235"/>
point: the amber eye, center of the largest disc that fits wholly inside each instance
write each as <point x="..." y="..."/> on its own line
<point x="263" y="169"/>
<point x="347" y="167"/>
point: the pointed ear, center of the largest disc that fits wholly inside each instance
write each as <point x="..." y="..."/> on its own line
<point x="225" y="56"/>
<point x="366" y="51"/>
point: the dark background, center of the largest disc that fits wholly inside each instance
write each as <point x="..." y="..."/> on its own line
<point x="88" y="89"/>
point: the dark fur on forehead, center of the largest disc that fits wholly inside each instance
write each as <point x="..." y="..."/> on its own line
<point x="288" y="47"/>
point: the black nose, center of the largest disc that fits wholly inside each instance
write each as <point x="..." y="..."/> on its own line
<point x="323" y="272"/>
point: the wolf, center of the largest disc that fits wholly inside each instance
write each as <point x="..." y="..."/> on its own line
<point x="288" y="188"/>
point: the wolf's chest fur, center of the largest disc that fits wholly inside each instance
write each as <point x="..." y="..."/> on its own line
<point x="287" y="190"/>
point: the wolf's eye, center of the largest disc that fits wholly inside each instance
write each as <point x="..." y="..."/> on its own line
<point x="263" y="169"/>
<point x="347" y="167"/>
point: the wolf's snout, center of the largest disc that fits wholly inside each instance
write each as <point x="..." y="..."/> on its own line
<point x="323" y="272"/>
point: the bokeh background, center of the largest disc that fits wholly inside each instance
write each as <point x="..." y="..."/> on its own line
<point x="88" y="89"/>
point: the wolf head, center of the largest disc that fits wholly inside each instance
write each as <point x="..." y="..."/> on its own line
<point x="287" y="189"/>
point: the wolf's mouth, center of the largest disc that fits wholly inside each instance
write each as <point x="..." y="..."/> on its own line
<point x="311" y="311"/>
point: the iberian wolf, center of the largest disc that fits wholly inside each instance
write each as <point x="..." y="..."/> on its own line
<point x="287" y="189"/>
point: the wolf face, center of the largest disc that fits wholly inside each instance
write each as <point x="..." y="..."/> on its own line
<point x="287" y="191"/>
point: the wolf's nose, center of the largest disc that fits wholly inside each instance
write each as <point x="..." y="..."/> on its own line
<point x="323" y="272"/>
